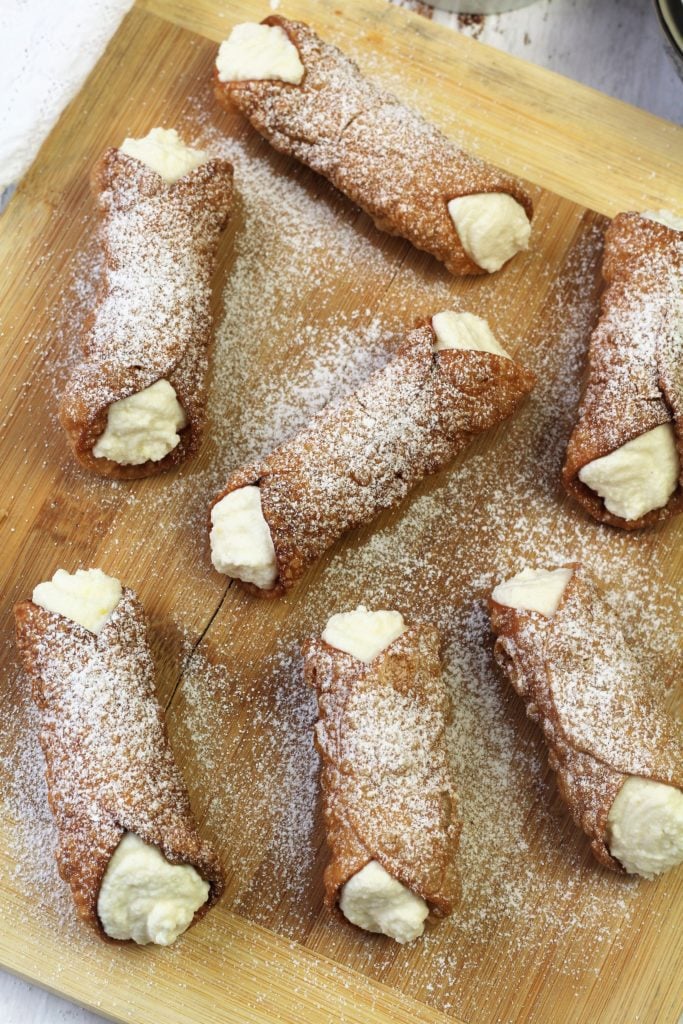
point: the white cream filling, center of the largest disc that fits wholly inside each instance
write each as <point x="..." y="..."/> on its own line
<point x="142" y="427"/>
<point x="144" y="898"/>
<point x="638" y="477"/>
<point x="241" y="544"/>
<point x="492" y="227"/>
<point x="464" y="331"/>
<point x="534" y="590"/>
<point x="363" y="634"/>
<point x="163" y="151"/>
<point x="666" y="217"/>
<point x="645" y="827"/>
<point x="252" y="52"/>
<point x="377" y="902"/>
<point x="87" y="597"/>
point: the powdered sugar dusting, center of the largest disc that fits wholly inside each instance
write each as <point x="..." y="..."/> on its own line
<point x="33" y="832"/>
<point x="268" y="804"/>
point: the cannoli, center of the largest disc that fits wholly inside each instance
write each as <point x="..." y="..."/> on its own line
<point x="617" y="753"/>
<point x="311" y="102"/>
<point x="128" y="844"/>
<point x="389" y="800"/>
<point x="135" y="405"/>
<point x="625" y="454"/>
<point x="449" y="380"/>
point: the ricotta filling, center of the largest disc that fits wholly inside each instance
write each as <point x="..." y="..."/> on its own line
<point x="163" y="151"/>
<point x="666" y="217"/>
<point x="241" y="542"/>
<point x="492" y="227"/>
<point x="257" y="52"/>
<point x="143" y="427"/>
<point x="362" y="633"/>
<point x="377" y="902"/>
<point x="144" y="898"/>
<point x="534" y="590"/>
<point x="464" y="331"/>
<point x="639" y="476"/>
<point x="645" y="827"/>
<point x="87" y="597"/>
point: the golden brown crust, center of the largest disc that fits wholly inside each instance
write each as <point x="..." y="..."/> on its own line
<point x="635" y="359"/>
<point x="388" y="792"/>
<point x="601" y="715"/>
<point x="109" y="767"/>
<point x="152" y="319"/>
<point x="385" y="157"/>
<point x="365" y="454"/>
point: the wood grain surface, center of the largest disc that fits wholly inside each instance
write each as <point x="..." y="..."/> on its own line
<point x="571" y="942"/>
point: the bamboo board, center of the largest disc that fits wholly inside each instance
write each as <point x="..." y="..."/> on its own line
<point x="566" y="941"/>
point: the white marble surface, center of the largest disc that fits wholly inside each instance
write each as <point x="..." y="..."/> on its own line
<point x="613" y="45"/>
<point x="616" y="46"/>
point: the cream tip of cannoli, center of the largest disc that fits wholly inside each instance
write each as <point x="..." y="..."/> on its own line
<point x="645" y="827"/>
<point x="377" y="902"/>
<point x="534" y="590"/>
<point x="666" y="217"/>
<point x="142" y="427"/>
<point x="241" y="542"/>
<point x="464" y="331"/>
<point x="639" y="476"/>
<point x="87" y="597"/>
<point x="492" y="227"/>
<point x="362" y="633"/>
<point x="255" y="52"/>
<point x="163" y="151"/>
<point x="144" y="898"/>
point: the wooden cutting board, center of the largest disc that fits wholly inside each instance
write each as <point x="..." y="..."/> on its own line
<point x="311" y="294"/>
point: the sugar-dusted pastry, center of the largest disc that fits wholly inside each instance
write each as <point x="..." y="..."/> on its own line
<point x="389" y="799"/>
<point x="311" y="101"/>
<point x="617" y="753"/>
<point x="128" y="842"/>
<point x="449" y="380"/>
<point x="625" y="454"/>
<point x="135" y="404"/>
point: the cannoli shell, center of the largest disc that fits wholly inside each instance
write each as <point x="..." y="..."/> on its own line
<point x="109" y="767"/>
<point x="388" y="792"/>
<point x="601" y="712"/>
<point x="366" y="453"/>
<point x="385" y="157"/>
<point x="635" y="358"/>
<point x="152" y="319"/>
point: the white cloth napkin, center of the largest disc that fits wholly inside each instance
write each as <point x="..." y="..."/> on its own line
<point x="47" y="49"/>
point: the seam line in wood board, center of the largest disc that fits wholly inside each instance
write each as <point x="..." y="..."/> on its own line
<point x="187" y="661"/>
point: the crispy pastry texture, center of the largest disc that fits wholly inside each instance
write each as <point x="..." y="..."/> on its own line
<point x="600" y="712"/>
<point x="109" y="767"/>
<point x="366" y="453"/>
<point x="385" y="157"/>
<point x="635" y="359"/>
<point x="388" y="793"/>
<point x="152" y="320"/>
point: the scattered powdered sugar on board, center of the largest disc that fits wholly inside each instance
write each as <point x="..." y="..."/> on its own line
<point x="24" y="806"/>
<point x="269" y="804"/>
